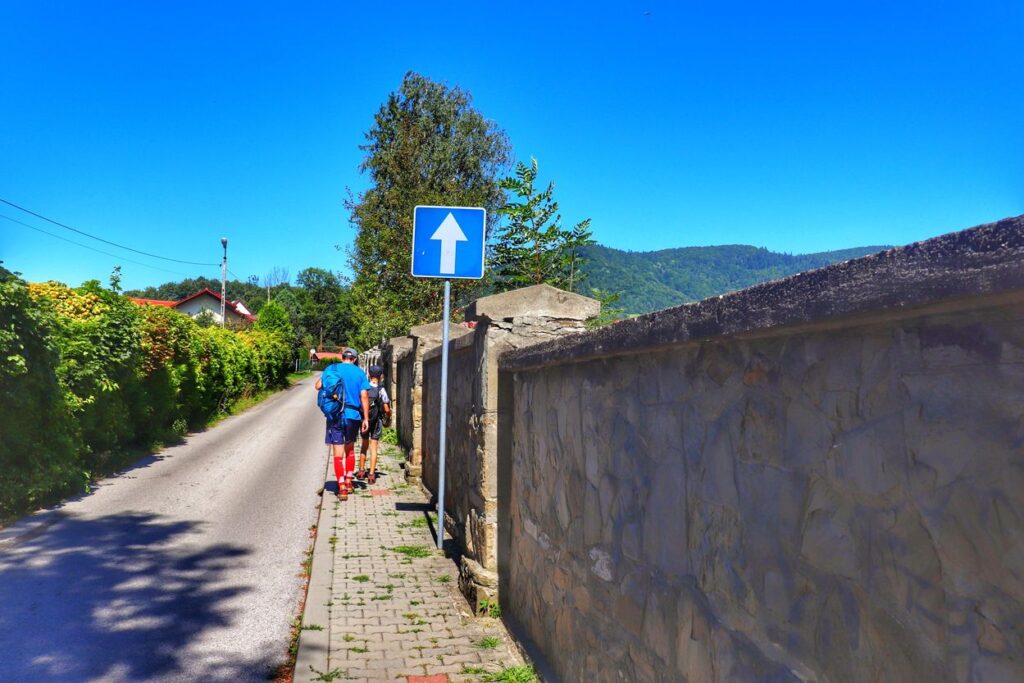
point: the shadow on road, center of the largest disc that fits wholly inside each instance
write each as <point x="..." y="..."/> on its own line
<point x="110" y="597"/>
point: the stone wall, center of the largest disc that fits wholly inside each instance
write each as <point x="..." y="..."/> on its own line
<point x="818" y="479"/>
<point x="499" y="323"/>
<point x="461" y="456"/>
<point x="424" y="338"/>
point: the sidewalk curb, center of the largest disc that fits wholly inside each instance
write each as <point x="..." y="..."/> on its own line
<point x="314" y="646"/>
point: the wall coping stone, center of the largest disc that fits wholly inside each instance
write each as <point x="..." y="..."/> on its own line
<point x="400" y="343"/>
<point x="431" y="332"/>
<point x="541" y="301"/>
<point x="984" y="260"/>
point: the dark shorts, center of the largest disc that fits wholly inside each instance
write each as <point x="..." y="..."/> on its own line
<point x="376" y="427"/>
<point x="342" y="432"/>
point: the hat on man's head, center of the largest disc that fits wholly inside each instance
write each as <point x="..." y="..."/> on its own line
<point x="376" y="371"/>
<point x="349" y="353"/>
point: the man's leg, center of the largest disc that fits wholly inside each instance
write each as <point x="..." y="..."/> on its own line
<point x="350" y="462"/>
<point x="338" y="450"/>
<point x="351" y="434"/>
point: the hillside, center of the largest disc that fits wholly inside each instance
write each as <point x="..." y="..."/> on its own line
<point x="652" y="280"/>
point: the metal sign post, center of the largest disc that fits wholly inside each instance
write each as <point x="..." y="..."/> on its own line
<point x="447" y="242"/>
<point x="444" y="415"/>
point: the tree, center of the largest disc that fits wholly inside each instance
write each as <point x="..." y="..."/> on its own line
<point x="427" y="145"/>
<point x="324" y="304"/>
<point x="533" y="247"/>
<point x="276" y="277"/>
<point x="273" y="317"/>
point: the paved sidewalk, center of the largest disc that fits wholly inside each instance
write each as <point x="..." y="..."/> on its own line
<point x="387" y="600"/>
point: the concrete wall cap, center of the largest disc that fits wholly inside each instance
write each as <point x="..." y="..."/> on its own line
<point x="432" y="331"/>
<point x="403" y="342"/>
<point x="542" y="301"/>
<point x="985" y="260"/>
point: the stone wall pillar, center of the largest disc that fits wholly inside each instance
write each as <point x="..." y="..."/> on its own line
<point x="502" y="322"/>
<point x="394" y="351"/>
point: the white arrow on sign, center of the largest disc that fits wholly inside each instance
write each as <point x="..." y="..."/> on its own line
<point x="450" y="234"/>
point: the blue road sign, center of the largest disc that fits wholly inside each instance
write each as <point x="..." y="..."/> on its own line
<point x="448" y="242"/>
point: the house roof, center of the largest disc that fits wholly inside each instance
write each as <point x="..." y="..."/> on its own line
<point x="154" y="302"/>
<point x="236" y="307"/>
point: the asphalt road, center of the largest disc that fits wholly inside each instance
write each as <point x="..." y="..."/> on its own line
<point x="183" y="568"/>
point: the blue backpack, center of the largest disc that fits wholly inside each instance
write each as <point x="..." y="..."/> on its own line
<point x="331" y="399"/>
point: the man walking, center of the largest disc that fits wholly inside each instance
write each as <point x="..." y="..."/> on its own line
<point x="354" y="417"/>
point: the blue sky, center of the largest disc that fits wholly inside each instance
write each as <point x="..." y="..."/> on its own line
<point x="796" y="126"/>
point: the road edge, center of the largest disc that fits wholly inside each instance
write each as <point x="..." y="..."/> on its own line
<point x="314" y="645"/>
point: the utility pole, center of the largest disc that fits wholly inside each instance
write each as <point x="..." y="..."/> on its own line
<point x="223" y="280"/>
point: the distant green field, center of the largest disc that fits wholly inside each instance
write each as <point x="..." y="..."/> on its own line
<point x="653" y="280"/>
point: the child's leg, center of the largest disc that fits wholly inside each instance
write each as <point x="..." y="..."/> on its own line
<point x="362" y="454"/>
<point x="374" y="443"/>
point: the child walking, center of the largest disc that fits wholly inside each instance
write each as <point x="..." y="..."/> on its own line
<point x="380" y="413"/>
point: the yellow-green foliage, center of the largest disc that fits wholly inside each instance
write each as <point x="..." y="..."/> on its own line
<point x="85" y="373"/>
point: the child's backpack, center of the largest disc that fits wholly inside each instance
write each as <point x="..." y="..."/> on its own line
<point x="331" y="399"/>
<point x="376" y="396"/>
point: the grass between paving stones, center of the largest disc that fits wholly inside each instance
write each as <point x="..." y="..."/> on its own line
<point x="488" y="642"/>
<point x="412" y="551"/>
<point x="444" y="578"/>
<point x="362" y="578"/>
<point x="328" y="676"/>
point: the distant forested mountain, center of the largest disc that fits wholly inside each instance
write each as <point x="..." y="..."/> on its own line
<point x="652" y="280"/>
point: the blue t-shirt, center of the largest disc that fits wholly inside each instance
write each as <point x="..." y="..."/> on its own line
<point x="355" y="382"/>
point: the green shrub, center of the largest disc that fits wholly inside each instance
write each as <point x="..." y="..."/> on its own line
<point x="86" y="373"/>
<point x="39" y="444"/>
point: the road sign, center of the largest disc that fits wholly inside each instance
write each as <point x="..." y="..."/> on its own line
<point x="448" y="242"/>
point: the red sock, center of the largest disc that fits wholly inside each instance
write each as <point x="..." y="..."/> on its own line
<point x="350" y="464"/>
<point x="339" y="468"/>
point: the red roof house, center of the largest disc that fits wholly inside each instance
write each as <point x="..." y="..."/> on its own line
<point x="204" y="300"/>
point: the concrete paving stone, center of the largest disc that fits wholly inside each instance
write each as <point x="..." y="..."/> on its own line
<point x="440" y="632"/>
<point x="467" y="658"/>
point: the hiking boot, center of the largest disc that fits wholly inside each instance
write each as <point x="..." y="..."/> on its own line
<point x="372" y="479"/>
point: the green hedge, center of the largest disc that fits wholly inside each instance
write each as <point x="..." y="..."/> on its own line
<point x="86" y="374"/>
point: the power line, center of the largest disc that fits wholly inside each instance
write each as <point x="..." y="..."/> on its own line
<point x="85" y="246"/>
<point x="100" y="239"/>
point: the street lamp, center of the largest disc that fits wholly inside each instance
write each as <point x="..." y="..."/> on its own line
<point x="223" y="279"/>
